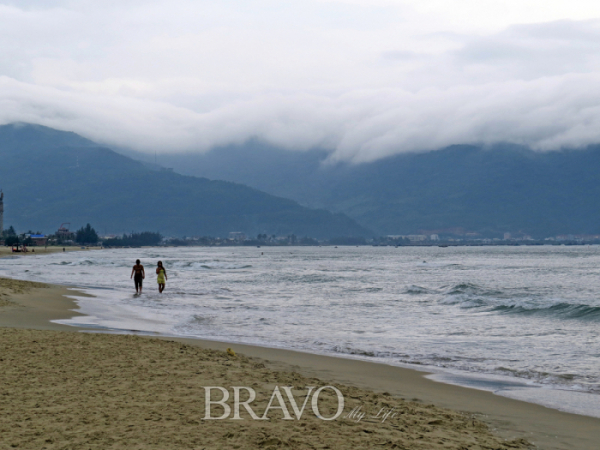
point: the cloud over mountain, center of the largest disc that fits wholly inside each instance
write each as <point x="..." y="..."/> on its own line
<point x="360" y="79"/>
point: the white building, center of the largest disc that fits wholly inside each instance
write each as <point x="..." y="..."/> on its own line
<point x="237" y="236"/>
<point x="416" y="237"/>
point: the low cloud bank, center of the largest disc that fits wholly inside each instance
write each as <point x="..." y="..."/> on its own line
<point x="546" y="114"/>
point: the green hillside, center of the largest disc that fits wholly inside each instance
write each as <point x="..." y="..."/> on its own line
<point x="50" y="177"/>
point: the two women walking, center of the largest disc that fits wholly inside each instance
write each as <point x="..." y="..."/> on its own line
<point x="140" y="274"/>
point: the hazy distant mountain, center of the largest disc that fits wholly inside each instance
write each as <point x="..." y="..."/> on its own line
<point x="50" y="177"/>
<point x="507" y="188"/>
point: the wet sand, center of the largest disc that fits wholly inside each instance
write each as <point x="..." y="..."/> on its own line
<point x="33" y="250"/>
<point x="63" y="389"/>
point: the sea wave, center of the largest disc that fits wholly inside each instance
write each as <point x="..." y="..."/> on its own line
<point x="417" y="290"/>
<point x="349" y="350"/>
<point x="472" y="289"/>
<point x="569" y="381"/>
<point x="471" y="296"/>
<point x="205" y="265"/>
<point x="563" y="310"/>
<point x="225" y="266"/>
<point x="198" y="319"/>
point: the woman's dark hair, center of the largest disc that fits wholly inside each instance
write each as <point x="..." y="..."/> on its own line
<point x="162" y="267"/>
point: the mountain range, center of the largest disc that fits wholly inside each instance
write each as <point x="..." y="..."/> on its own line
<point x="459" y="189"/>
<point x="50" y="177"/>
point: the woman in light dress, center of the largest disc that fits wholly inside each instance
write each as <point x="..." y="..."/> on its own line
<point x="162" y="277"/>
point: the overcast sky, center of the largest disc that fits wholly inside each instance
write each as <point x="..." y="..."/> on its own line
<point x="363" y="78"/>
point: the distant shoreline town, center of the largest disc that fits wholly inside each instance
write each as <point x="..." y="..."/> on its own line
<point x="442" y="238"/>
<point x="87" y="235"/>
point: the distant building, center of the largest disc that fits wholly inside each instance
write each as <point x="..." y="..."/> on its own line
<point x="507" y="236"/>
<point x="39" y="239"/>
<point x="237" y="236"/>
<point x="565" y="237"/>
<point x="63" y="232"/>
<point x="434" y="237"/>
<point x="416" y="237"/>
<point x="410" y="237"/>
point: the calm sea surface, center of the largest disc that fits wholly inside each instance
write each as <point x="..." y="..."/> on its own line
<point x="521" y="321"/>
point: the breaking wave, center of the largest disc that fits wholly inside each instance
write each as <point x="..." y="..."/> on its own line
<point x="471" y="296"/>
<point x="562" y="310"/>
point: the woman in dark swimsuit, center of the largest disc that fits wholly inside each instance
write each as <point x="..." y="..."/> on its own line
<point x="138" y="270"/>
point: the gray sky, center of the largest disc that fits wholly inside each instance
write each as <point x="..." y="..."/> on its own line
<point x="362" y="78"/>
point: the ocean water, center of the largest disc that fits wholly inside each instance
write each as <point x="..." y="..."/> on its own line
<point x="520" y="321"/>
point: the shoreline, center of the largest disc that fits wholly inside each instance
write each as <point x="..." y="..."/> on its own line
<point x="30" y="305"/>
<point x="7" y="251"/>
<point x="498" y="385"/>
<point x="545" y="427"/>
<point x="36" y="304"/>
<point x="554" y="396"/>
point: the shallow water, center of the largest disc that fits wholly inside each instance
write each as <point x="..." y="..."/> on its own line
<point x="529" y="316"/>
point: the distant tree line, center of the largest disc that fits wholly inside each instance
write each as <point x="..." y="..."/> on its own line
<point x="145" y="238"/>
<point x="10" y="236"/>
<point x="348" y="241"/>
<point x="8" y="232"/>
<point x="86" y="235"/>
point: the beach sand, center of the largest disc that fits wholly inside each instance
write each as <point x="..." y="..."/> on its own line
<point x="64" y="389"/>
<point x="33" y="250"/>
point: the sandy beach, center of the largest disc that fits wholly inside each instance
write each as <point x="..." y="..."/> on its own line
<point x="7" y="251"/>
<point x="67" y="389"/>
